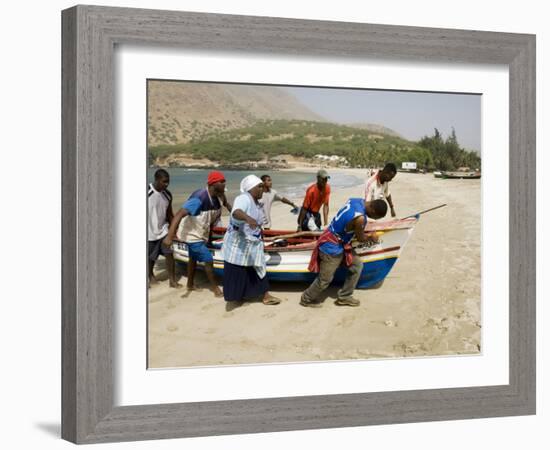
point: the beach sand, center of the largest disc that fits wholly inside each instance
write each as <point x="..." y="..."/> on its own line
<point x="430" y="303"/>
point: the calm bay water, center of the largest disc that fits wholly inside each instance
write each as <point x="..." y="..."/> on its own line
<point x="289" y="184"/>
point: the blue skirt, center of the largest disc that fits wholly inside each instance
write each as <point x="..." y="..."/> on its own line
<point x="242" y="283"/>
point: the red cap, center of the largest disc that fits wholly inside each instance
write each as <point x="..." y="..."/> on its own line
<point x="215" y="177"/>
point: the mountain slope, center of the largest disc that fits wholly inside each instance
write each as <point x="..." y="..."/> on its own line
<point x="179" y="112"/>
<point x="375" y="128"/>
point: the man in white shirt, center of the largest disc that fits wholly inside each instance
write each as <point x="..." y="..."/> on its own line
<point x="269" y="196"/>
<point x="377" y="186"/>
<point x="159" y="205"/>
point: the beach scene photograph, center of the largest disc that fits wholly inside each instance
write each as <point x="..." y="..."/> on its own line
<point x="295" y="224"/>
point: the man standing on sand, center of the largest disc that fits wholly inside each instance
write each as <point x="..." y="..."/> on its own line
<point x="317" y="195"/>
<point x="159" y="205"/>
<point x="377" y="186"/>
<point x="269" y="196"/>
<point x="333" y="249"/>
<point x="199" y="213"/>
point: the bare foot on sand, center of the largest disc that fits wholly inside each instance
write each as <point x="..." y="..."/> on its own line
<point x="175" y="285"/>
<point x="193" y="288"/>
<point x="217" y="292"/>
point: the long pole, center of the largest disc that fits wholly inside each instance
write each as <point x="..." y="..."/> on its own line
<point x="425" y="211"/>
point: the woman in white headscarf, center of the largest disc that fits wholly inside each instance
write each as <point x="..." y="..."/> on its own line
<point x="244" y="273"/>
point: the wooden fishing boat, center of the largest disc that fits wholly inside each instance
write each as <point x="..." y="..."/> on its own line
<point x="288" y="253"/>
<point x="472" y="175"/>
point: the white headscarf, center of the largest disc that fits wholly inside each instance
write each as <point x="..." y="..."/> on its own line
<point x="249" y="182"/>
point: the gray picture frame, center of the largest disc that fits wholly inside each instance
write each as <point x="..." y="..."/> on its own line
<point x="89" y="36"/>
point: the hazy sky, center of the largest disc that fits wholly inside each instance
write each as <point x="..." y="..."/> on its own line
<point x="411" y="114"/>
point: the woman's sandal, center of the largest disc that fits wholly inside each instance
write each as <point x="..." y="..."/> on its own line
<point x="271" y="300"/>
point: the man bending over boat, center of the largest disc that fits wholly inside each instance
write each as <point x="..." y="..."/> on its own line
<point x="199" y="213"/>
<point x="377" y="186"/>
<point x="334" y="249"/>
<point x="244" y="271"/>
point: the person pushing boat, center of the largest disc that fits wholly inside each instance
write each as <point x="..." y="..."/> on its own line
<point x="333" y="249"/>
<point x="159" y="205"/>
<point x="244" y="273"/>
<point x="197" y="216"/>
<point x="317" y="197"/>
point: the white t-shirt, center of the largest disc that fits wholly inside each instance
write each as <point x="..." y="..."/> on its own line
<point x="374" y="190"/>
<point x="266" y="201"/>
<point x="157" y="204"/>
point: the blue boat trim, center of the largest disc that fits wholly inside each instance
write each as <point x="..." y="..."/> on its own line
<point x="372" y="274"/>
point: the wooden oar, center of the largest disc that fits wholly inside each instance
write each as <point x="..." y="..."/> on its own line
<point x="425" y="211"/>
<point x="293" y="235"/>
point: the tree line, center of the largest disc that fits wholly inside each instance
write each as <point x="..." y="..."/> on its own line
<point x="361" y="148"/>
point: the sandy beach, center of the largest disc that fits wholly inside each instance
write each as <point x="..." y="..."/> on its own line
<point x="430" y="303"/>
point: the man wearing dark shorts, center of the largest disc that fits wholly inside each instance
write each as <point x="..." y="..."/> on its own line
<point x="159" y="203"/>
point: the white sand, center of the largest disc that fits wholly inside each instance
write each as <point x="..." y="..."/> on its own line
<point x="428" y="305"/>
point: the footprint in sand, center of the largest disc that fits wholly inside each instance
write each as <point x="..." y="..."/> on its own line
<point x="268" y="315"/>
<point x="172" y="328"/>
<point x="346" y="321"/>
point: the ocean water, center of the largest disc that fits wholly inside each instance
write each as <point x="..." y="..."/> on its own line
<point x="292" y="185"/>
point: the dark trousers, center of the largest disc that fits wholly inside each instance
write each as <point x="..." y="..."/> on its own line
<point x="316" y="218"/>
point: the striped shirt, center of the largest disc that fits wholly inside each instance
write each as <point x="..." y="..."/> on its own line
<point x="157" y="206"/>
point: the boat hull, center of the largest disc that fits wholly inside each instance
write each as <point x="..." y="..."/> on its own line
<point x="462" y="175"/>
<point x="288" y="265"/>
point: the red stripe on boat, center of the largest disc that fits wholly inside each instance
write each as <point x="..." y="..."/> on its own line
<point x="384" y="250"/>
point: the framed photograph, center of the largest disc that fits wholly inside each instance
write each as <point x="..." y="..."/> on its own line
<point x="299" y="105"/>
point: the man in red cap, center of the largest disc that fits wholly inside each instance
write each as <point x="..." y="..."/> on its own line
<point x="197" y="216"/>
<point x="215" y="177"/>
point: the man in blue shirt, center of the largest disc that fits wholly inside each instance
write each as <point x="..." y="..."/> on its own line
<point x="334" y="247"/>
<point x="197" y="216"/>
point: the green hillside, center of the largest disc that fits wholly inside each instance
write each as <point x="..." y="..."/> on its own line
<point x="360" y="147"/>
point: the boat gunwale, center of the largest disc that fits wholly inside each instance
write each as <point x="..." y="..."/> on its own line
<point x="382" y="227"/>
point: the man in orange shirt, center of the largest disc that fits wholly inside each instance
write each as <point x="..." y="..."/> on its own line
<point x="317" y="195"/>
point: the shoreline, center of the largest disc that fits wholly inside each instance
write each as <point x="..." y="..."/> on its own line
<point x="294" y="191"/>
<point x="429" y="304"/>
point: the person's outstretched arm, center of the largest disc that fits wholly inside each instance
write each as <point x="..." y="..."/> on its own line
<point x="174" y="224"/>
<point x="288" y="202"/>
<point x="325" y="214"/>
<point x="390" y="202"/>
<point x="239" y="214"/>
<point x="359" y="230"/>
